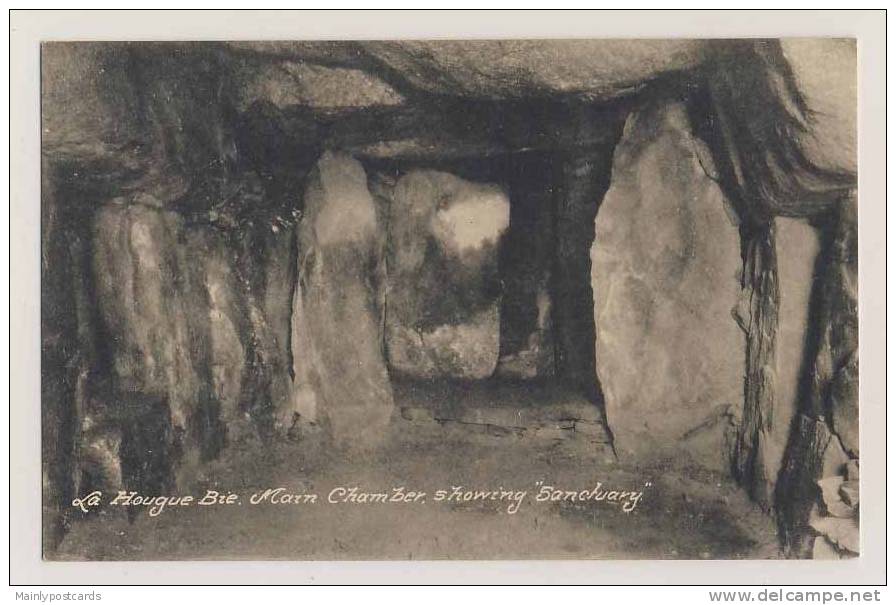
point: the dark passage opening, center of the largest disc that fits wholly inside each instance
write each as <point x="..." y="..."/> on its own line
<point x="543" y="373"/>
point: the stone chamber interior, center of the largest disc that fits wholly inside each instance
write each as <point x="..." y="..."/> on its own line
<point x="285" y="259"/>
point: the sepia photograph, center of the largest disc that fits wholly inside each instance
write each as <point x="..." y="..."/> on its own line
<point x="450" y="298"/>
<point x="393" y="300"/>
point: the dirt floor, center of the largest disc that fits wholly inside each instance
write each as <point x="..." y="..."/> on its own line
<point x="682" y="514"/>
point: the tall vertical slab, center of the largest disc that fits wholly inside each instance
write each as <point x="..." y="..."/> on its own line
<point x="665" y="273"/>
<point x="339" y="365"/>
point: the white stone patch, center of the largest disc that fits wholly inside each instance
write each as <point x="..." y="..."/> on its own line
<point x="476" y="220"/>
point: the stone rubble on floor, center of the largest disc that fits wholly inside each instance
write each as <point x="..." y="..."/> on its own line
<point x="835" y="519"/>
<point x="509" y="421"/>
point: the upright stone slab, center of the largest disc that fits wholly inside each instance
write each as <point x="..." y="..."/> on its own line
<point x="835" y="377"/>
<point x="154" y="304"/>
<point x="227" y="356"/>
<point x="277" y="302"/>
<point x="266" y="268"/>
<point x="339" y="366"/>
<point x="665" y="267"/>
<point x="149" y="305"/>
<point x="442" y="311"/>
<point x="798" y="246"/>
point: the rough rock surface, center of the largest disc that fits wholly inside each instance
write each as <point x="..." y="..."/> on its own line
<point x="107" y="104"/>
<point x="442" y="313"/>
<point x="287" y="83"/>
<point x="787" y="132"/>
<point x="836" y="518"/>
<point x="274" y="263"/>
<point x="227" y="357"/>
<point x="665" y="265"/>
<point x="534" y="357"/>
<point x="830" y="391"/>
<point x="341" y="377"/>
<point x="511" y="69"/>
<point x="502" y="69"/>
<point x="849" y="492"/>
<point x="68" y="338"/>
<point x="835" y="385"/>
<point x="758" y="316"/>
<point x="822" y="550"/>
<point x="813" y="453"/>
<point x="192" y="342"/>
<point x="825" y="72"/>
<point x="833" y="503"/>
<point x="137" y="262"/>
<point x="798" y="246"/>
<point x="852" y="470"/>
<point x="77" y="82"/>
<point x="130" y="117"/>
<point x="583" y="178"/>
<point x="842" y="533"/>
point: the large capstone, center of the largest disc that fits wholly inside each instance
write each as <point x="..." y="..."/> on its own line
<point x="784" y="115"/>
<point x="442" y="312"/>
<point x="337" y="336"/>
<point x="665" y="266"/>
<point x="824" y="69"/>
<point x="510" y="69"/>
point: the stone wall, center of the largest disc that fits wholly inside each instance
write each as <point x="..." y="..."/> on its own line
<point x="191" y="338"/>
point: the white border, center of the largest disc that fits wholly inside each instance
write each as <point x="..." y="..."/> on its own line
<point x="28" y="28"/>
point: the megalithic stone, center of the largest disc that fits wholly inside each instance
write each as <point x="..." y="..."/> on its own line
<point x="341" y="379"/>
<point x="666" y="264"/>
<point x="442" y="315"/>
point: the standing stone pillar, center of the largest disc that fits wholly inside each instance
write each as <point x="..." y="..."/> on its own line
<point x="340" y="370"/>
<point x="670" y="356"/>
<point x="834" y="387"/>
<point x="798" y="247"/>
<point x="758" y="316"/>
<point x="152" y="297"/>
<point x="780" y="270"/>
<point x="824" y="443"/>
